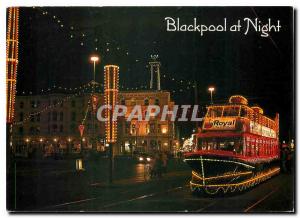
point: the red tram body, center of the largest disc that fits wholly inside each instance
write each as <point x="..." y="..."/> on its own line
<point x="237" y="148"/>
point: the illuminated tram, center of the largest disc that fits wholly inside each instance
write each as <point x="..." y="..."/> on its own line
<point x="237" y="148"/>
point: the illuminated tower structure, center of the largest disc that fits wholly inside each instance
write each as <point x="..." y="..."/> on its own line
<point x="12" y="41"/>
<point x="154" y="73"/>
<point x="111" y="89"/>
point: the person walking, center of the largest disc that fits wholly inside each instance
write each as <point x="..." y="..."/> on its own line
<point x="164" y="162"/>
<point x="284" y="154"/>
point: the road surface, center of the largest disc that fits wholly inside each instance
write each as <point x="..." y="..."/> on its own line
<point x="81" y="192"/>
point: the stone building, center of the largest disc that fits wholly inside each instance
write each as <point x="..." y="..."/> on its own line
<point x="50" y="122"/>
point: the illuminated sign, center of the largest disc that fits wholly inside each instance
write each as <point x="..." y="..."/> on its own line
<point x="219" y="124"/>
<point x="255" y="128"/>
<point x="268" y="132"/>
<point x="258" y="129"/>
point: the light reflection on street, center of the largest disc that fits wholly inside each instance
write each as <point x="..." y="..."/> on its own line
<point x="140" y="169"/>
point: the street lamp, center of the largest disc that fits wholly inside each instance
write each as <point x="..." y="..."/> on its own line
<point x="94" y="59"/>
<point x="41" y="148"/>
<point x="55" y="145"/>
<point x="211" y="90"/>
<point x="27" y="145"/>
<point x="69" y="145"/>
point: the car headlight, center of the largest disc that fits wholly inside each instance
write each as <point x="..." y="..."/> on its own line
<point x="141" y="159"/>
<point x="148" y="159"/>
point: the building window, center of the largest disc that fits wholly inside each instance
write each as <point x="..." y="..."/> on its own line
<point x="38" y="117"/>
<point x="72" y="128"/>
<point x="21" y="130"/>
<point x="132" y="103"/>
<point x="31" y="118"/>
<point x="123" y="101"/>
<point x="54" y="116"/>
<point x="73" y="103"/>
<point x="37" y="130"/>
<point x="152" y="128"/>
<point x="133" y="130"/>
<point x="54" y="128"/>
<point x="156" y="101"/>
<point x="61" y="116"/>
<point x="21" y="104"/>
<point x="73" y="116"/>
<point x="61" y="128"/>
<point x="21" y="116"/>
<point x="146" y="102"/>
<point x="127" y="127"/>
<point x="32" y="130"/>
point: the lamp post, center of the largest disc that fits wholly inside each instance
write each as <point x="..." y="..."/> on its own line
<point x="41" y="148"/>
<point x="27" y="145"/>
<point x="211" y="90"/>
<point x="94" y="59"/>
<point x="69" y="145"/>
<point x="55" y="146"/>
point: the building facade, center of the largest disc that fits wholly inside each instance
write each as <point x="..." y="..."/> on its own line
<point x="50" y="123"/>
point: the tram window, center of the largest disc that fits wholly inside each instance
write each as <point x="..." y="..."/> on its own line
<point x="238" y="147"/>
<point x="244" y="112"/>
<point x="231" y="111"/>
<point x="215" y="112"/>
<point x="202" y="144"/>
<point x="226" y="145"/>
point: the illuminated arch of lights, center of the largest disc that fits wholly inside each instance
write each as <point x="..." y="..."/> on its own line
<point x="50" y="107"/>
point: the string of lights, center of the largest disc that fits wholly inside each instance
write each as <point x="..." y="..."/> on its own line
<point x="213" y="189"/>
<point x="50" y="107"/>
<point x="108" y="44"/>
<point x="86" y="113"/>
<point x="83" y="36"/>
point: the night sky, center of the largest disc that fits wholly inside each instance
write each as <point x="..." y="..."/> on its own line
<point x="56" y="42"/>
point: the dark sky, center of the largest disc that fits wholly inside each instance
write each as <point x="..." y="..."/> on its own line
<point x="256" y="67"/>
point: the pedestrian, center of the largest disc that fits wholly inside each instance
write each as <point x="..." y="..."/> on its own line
<point x="157" y="166"/>
<point x="284" y="157"/>
<point x="288" y="160"/>
<point x="154" y="167"/>
<point x="164" y="162"/>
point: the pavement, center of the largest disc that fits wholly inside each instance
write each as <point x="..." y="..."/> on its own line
<point x="67" y="191"/>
